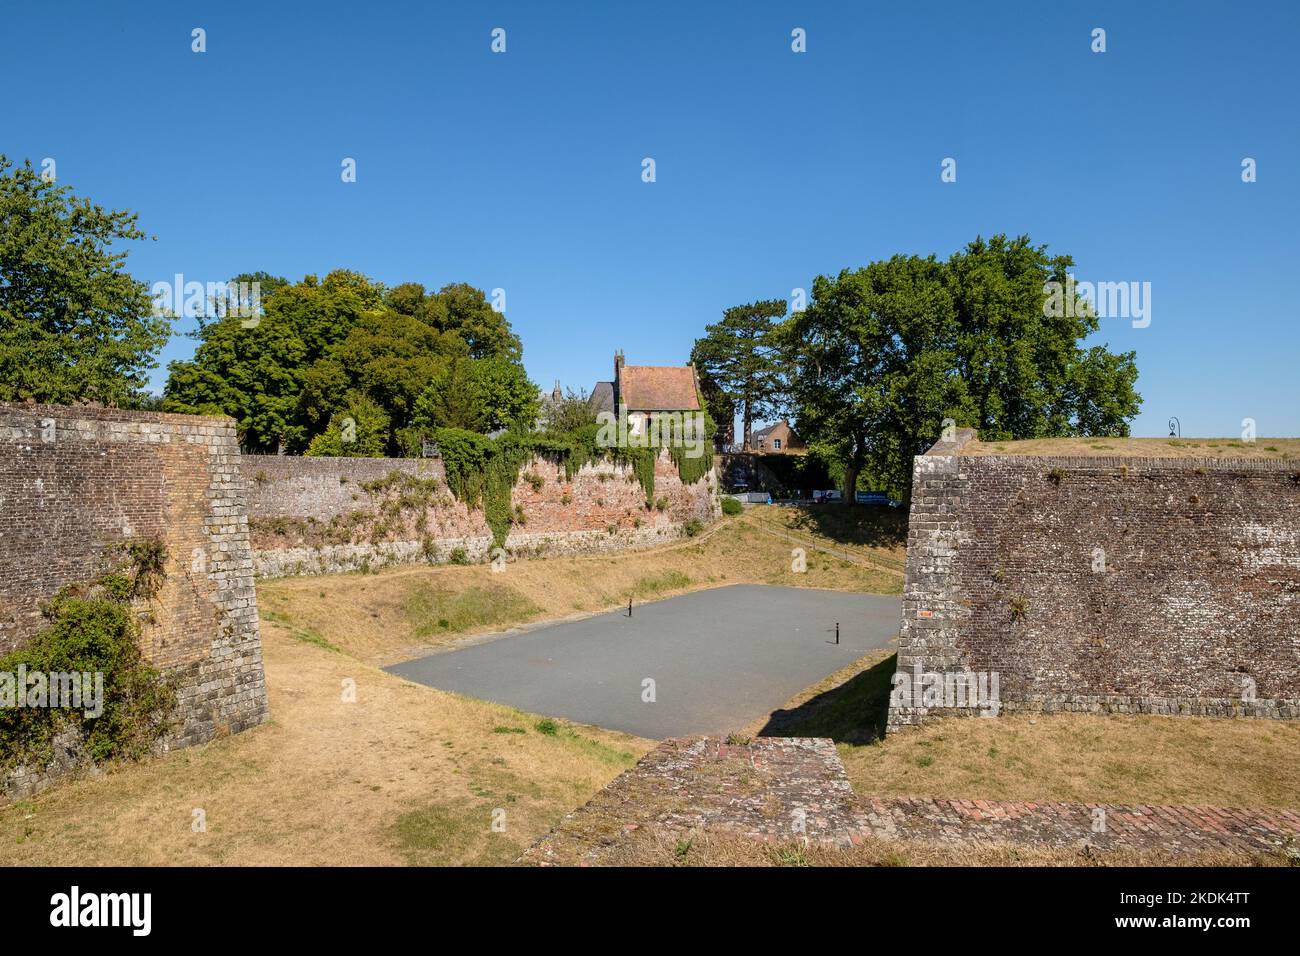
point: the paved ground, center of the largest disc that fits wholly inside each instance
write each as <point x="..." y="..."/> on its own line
<point x="719" y="659"/>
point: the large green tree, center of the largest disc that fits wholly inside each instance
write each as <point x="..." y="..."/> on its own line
<point x="253" y="369"/>
<point x="885" y="354"/>
<point x="464" y="310"/>
<point x="345" y="348"/>
<point x="478" y="395"/>
<point x="73" y="324"/>
<point x="738" y="359"/>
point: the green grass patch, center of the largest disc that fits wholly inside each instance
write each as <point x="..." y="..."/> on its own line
<point x="659" y="583"/>
<point x="304" y="634"/>
<point x="440" y="835"/>
<point x="434" y="612"/>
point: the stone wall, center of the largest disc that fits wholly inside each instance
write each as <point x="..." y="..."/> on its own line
<point x="328" y="515"/>
<point x="76" y="484"/>
<point x="1103" y="584"/>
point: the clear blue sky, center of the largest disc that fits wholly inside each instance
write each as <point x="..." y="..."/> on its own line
<point x="523" y="170"/>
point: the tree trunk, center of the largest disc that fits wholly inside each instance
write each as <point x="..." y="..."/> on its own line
<point x="851" y="483"/>
<point x="749" y="422"/>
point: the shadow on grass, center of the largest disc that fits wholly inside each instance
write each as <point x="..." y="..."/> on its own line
<point x="852" y="713"/>
<point x="872" y="526"/>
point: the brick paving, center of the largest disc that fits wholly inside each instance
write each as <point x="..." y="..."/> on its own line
<point x="1103" y="826"/>
<point x="795" y="788"/>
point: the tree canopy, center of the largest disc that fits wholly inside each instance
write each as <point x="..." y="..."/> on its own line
<point x="738" y="363"/>
<point x="324" y="352"/>
<point x="884" y="354"/>
<point x="73" y="324"/>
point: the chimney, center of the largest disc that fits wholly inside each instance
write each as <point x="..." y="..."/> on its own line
<point x="618" y="389"/>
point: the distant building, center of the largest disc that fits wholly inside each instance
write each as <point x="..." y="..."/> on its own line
<point x="647" y="391"/>
<point x="777" y="439"/>
<point x="547" y="402"/>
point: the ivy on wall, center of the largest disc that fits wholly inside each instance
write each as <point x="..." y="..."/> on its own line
<point x="93" y="630"/>
<point x="482" y="471"/>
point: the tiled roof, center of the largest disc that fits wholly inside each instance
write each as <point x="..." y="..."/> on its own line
<point x="667" y="388"/>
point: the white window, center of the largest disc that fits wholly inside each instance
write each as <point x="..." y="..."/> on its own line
<point x="776" y="443"/>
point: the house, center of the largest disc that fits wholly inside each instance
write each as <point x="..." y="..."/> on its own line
<point x="777" y="439"/>
<point x="648" y="391"/>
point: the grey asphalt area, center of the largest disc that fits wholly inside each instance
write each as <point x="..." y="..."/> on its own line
<point x="719" y="659"/>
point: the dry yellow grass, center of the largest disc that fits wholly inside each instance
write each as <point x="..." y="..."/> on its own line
<point x="1278" y="448"/>
<point x="395" y="614"/>
<point x="1078" y="758"/>
<point x="649" y="847"/>
<point x="1083" y="758"/>
<point x="406" y="774"/>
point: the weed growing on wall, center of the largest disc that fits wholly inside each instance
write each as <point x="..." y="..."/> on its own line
<point x="93" y="630"/>
<point x="482" y="471"/>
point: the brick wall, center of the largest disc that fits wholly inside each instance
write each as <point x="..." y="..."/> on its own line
<point x="1105" y="584"/>
<point x="324" y="515"/>
<point x="77" y="483"/>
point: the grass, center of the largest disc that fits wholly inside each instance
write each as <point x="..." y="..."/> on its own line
<point x="1081" y="758"/>
<point x="1278" y="448"/>
<point x="393" y="615"/>
<point x="432" y="611"/>
<point x="406" y="774"/>
<point x="648" y="847"/>
<point x="298" y="633"/>
<point x="874" y="535"/>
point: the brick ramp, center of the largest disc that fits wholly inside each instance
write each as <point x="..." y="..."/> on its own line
<point x="763" y="790"/>
<point x="795" y="788"/>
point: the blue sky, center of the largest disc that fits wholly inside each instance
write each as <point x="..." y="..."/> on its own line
<point x="523" y="170"/>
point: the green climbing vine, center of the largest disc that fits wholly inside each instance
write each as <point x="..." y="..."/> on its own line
<point x="482" y="471"/>
<point x="92" y="630"/>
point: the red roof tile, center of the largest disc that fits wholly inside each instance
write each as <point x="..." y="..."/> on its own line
<point x="666" y="388"/>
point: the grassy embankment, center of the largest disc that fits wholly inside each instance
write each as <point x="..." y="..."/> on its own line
<point x="405" y="774"/>
<point x="394" y="614"/>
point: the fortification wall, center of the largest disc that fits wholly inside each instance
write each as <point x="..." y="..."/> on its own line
<point x="1120" y="584"/>
<point x="76" y="484"/>
<point x="328" y="515"/>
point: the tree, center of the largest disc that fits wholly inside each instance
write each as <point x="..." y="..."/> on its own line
<point x="359" y="430"/>
<point x="885" y="354"/>
<point x="73" y="324"/>
<point x="318" y="347"/>
<point x="254" y="371"/>
<point x="720" y="408"/>
<point x="477" y="395"/>
<point x="738" y="358"/>
<point x="466" y="312"/>
<point x="572" y="413"/>
<point x="390" y="358"/>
